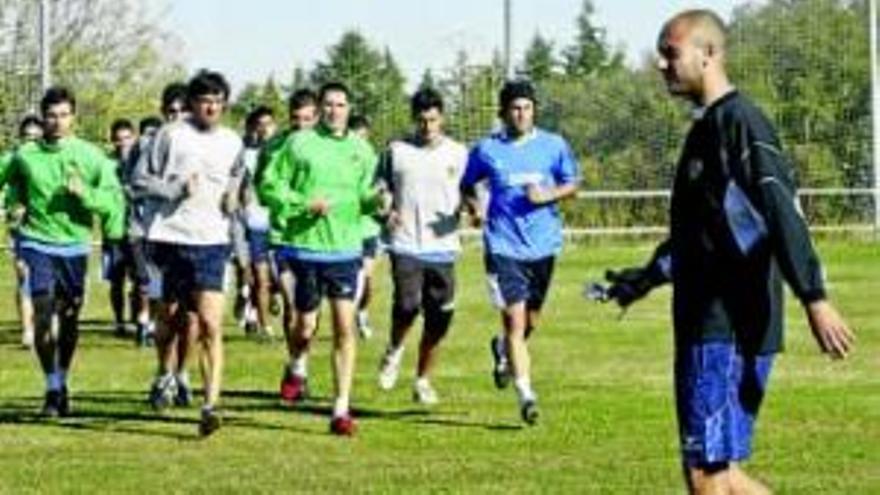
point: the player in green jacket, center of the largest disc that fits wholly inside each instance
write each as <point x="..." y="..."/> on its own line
<point x="317" y="191"/>
<point x="62" y="182"/>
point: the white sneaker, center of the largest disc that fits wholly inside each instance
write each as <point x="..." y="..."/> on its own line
<point x="27" y="338"/>
<point x="424" y="393"/>
<point x="389" y="369"/>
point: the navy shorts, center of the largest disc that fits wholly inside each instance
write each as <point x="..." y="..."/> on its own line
<point x="514" y="281"/>
<point x="371" y="247"/>
<point x="317" y="279"/>
<point x="187" y="269"/>
<point x="718" y="393"/>
<point x="258" y="245"/>
<point x="58" y="276"/>
<point x="115" y="260"/>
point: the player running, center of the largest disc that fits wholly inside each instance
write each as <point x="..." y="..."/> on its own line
<point x="528" y="171"/>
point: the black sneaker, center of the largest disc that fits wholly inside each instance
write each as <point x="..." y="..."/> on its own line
<point x="162" y="393"/>
<point x="183" y="397"/>
<point x="51" y="404"/>
<point x="209" y="423"/>
<point x="500" y="368"/>
<point x="529" y="412"/>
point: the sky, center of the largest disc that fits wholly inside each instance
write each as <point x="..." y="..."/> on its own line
<point x="251" y="40"/>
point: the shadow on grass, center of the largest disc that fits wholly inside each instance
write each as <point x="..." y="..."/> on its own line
<point x="123" y="413"/>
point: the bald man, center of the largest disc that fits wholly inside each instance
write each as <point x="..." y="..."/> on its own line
<point x="736" y="232"/>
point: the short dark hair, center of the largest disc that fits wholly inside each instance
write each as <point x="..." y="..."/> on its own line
<point x="175" y="91"/>
<point x="119" y="125"/>
<point x="147" y="122"/>
<point x="56" y="95"/>
<point x="513" y="90"/>
<point x="424" y="100"/>
<point x="29" y="120"/>
<point x="358" y="121"/>
<point x="333" y="86"/>
<point x="303" y="97"/>
<point x="207" y="82"/>
<point x="256" y="114"/>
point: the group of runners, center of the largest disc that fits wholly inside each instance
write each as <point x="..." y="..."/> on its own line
<point x="302" y="212"/>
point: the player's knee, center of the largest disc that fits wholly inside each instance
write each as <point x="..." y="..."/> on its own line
<point x="405" y="312"/>
<point x="438" y="318"/>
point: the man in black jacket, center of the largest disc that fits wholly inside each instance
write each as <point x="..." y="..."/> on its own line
<point x="736" y="232"/>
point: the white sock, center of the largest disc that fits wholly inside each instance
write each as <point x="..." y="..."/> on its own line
<point x="524" y="390"/>
<point x="422" y="381"/>
<point x="340" y="407"/>
<point x="394" y="353"/>
<point x="53" y="381"/>
<point x="182" y="377"/>
<point x="300" y="366"/>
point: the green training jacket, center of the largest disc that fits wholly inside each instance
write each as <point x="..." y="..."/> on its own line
<point x="39" y="173"/>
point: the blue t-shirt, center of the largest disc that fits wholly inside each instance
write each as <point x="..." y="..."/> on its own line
<point x="516" y="228"/>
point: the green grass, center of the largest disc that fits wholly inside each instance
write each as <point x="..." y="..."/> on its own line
<point x="607" y="421"/>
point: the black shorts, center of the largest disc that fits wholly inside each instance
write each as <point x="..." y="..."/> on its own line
<point x="188" y="269"/>
<point x="421" y="285"/>
<point x="513" y="281"/>
<point x="317" y="279"/>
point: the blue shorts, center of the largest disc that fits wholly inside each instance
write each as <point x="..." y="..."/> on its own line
<point x="24" y="282"/>
<point x="258" y="245"/>
<point x="116" y="260"/>
<point x="317" y="279"/>
<point x="58" y="276"/>
<point x="514" y="281"/>
<point x="718" y="393"/>
<point x="188" y="269"/>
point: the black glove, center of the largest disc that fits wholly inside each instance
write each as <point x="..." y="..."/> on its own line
<point x="628" y="285"/>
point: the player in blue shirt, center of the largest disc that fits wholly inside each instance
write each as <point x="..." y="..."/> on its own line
<point x="527" y="171"/>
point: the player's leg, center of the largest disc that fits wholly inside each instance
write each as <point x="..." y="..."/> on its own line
<point x="307" y="300"/>
<point x="365" y="286"/>
<point x="407" y="276"/>
<point x="210" y="315"/>
<point x="42" y="276"/>
<point x="718" y="395"/>
<point x="23" y="300"/>
<point x="438" y="297"/>
<point x="71" y="287"/>
<point x="340" y="281"/>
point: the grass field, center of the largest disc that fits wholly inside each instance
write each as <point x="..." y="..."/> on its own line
<point x="607" y="422"/>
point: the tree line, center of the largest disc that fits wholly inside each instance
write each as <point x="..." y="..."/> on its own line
<point x="805" y="62"/>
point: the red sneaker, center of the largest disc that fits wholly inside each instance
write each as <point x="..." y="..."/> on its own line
<point x="293" y="387"/>
<point x="343" y="426"/>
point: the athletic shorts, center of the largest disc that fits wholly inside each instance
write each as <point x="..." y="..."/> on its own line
<point x="24" y="282"/>
<point x="514" y="281"/>
<point x="115" y="260"/>
<point x="146" y="274"/>
<point x="258" y="245"/>
<point x="59" y="276"/>
<point x="188" y="269"/>
<point x="718" y="393"/>
<point x="421" y="285"/>
<point x="318" y="279"/>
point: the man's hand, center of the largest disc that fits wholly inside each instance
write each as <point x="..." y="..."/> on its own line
<point x="75" y="185"/>
<point x="15" y="215"/>
<point x="393" y="221"/>
<point x="384" y="198"/>
<point x="540" y="196"/>
<point x="628" y="285"/>
<point x="230" y="203"/>
<point x="830" y="331"/>
<point x="319" y="207"/>
<point x="191" y="185"/>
